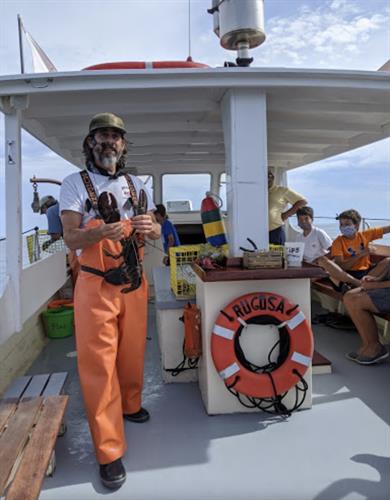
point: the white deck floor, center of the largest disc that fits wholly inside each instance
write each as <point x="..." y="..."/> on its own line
<point x="340" y="449"/>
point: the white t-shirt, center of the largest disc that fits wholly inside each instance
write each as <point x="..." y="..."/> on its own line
<point x="74" y="196"/>
<point x="317" y="244"/>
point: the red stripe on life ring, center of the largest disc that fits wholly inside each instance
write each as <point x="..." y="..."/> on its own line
<point x="143" y="65"/>
<point x="240" y="311"/>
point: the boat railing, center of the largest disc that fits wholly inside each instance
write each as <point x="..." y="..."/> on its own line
<point x="33" y="249"/>
<point x="37" y="245"/>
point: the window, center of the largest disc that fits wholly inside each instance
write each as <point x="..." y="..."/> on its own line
<point x="187" y="190"/>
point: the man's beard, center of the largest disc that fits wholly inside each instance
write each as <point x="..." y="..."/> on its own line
<point x="107" y="155"/>
<point x="109" y="161"/>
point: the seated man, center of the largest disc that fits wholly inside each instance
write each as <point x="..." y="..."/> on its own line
<point x="278" y="198"/>
<point x="373" y="296"/>
<point x="317" y="241"/>
<point x="168" y="231"/>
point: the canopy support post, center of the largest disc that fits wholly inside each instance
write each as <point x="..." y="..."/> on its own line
<point x="245" y="136"/>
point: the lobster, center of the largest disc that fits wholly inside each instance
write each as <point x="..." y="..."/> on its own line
<point x="130" y="271"/>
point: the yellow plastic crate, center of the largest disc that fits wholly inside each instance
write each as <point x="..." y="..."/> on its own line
<point x="34" y="240"/>
<point x="182" y="276"/>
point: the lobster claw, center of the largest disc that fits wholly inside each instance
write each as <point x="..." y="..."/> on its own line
<point x="142" y="207"/>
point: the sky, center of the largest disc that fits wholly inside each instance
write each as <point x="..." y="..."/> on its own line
<point x="334" y="34"/>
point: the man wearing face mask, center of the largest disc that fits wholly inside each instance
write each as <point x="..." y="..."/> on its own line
<point x="106" y="213"/>
<point x="351" y="250"/>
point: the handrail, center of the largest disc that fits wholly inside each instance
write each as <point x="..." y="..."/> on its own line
<point x="50" y="181"/>
<point x="24" y="232"/>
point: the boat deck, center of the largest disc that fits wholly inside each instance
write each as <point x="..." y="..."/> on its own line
<point x="340" y="449"/>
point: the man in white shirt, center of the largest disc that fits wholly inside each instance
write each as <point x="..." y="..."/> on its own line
<point x="317" y="241"/>
<point x="106" y="214"/>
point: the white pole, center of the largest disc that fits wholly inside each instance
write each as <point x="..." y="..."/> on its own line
<point x="245" y="135"/>
<point x="13" y="202"/>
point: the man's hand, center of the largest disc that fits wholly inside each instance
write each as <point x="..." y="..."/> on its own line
<point x="112" y="231"/>
<point x="368" y="278"/>
<point x="46" y="244"/>
<point x="146" y="224"/>
<point x="143" y="223"/>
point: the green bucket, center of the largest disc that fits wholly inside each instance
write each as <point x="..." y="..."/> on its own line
<point x="58" y="322"/>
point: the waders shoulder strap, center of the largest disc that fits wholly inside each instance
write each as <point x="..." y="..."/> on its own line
<point x="92" y="196"/>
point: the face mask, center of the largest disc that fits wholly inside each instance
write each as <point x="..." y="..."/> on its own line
<point x="305" y="225"/>
<point x="348" y="231"/>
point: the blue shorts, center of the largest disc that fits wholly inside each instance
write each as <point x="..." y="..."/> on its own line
<point x="381" y="299"/>
<point x="277" y="236"/>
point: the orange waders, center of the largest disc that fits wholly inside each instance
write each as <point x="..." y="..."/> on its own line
<point x="110" y="336"/>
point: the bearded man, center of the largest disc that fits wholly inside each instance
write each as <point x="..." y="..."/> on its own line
<point x="106" y="213"/>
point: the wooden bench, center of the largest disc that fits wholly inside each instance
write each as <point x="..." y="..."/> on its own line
<point x="327" y="289"/>
<point x="31" y="416"/>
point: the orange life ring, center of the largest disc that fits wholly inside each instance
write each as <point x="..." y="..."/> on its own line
<point x="243" y="310"/>
<point x="145" y="65"/>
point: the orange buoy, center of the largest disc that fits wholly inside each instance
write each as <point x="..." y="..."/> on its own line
<point x="146" y="65"/>
<point x="261" y="308"/>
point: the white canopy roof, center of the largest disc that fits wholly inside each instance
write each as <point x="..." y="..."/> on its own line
<point x="173" y="116"/>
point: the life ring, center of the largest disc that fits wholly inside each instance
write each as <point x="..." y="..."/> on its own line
<point x="146" y="65"/>
<point x="263" y="308"/>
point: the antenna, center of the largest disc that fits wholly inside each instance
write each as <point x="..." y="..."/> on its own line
<point x="20" y="24"/>
<point x="189" y="58"/>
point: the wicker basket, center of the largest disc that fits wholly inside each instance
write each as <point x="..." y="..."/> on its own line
<point x="271" y="259"/>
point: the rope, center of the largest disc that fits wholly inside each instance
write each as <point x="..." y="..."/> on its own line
<point x="181" y="367"/>
<point x="273" y="404"/>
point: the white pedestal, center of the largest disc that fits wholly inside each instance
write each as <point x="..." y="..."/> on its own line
<point x="211" y="297"/>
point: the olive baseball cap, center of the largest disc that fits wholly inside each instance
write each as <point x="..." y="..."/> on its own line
<point x="106" y="120"/>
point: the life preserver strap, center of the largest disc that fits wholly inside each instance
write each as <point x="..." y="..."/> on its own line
<point x="254" y="308"/>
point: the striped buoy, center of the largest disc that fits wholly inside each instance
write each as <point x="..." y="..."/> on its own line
<point x="213" y="225"/>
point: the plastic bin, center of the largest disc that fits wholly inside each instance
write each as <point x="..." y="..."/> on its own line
<point x="182" y="277"/>
<point x="58" y="322"/>
<point x="60" y="303"/>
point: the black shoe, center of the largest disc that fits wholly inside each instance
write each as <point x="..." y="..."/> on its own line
<point x="140" y="416"/>
<point x="113" y="475"/>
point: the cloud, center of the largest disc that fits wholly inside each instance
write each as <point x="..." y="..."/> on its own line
<point x="358" y="179"/>
<point x="326" y="34"/>
<point x="377" y="153"/>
